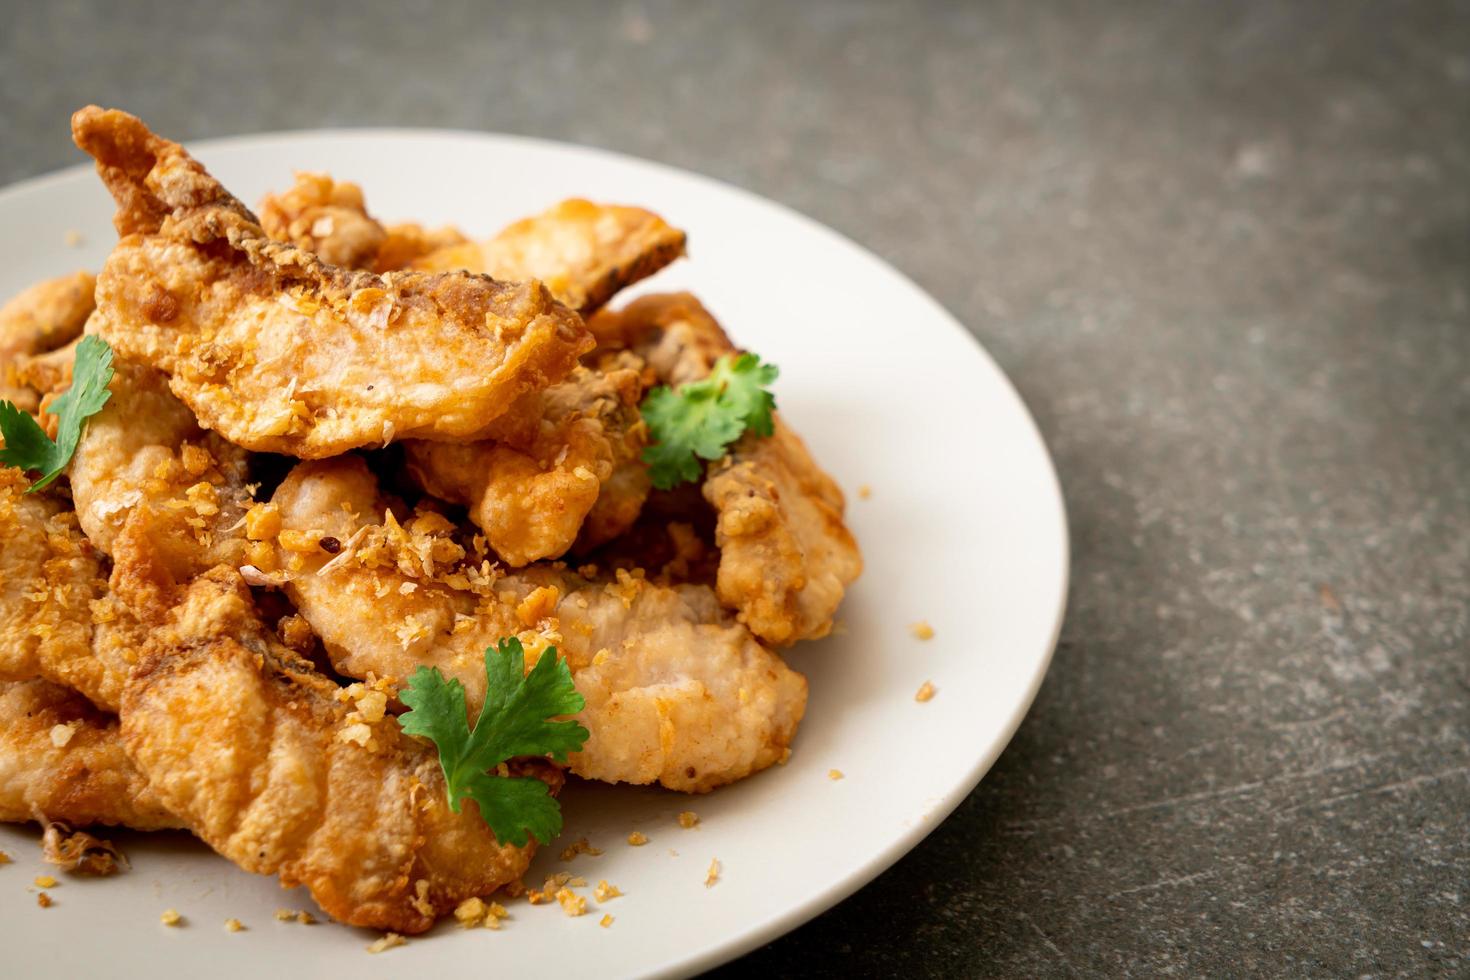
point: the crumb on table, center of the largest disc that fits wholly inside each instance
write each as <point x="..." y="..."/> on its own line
<point x="922" y="630"/>
<point x="43" y="900"/>
<point x="603" y="892"/>
<point x="688" y="819"/>
<point x="834" y="773"/>
<point x="234" y="925"/>
<point x="44" y="881"/>
<point x="637" y="839"/>
<point x="605" y="921"/>
<point x="925" y="693"/>
<point x="171" y="917"/>
<point x="713" y="874"/>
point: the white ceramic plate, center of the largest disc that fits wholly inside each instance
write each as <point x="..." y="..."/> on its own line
<point x="964" y="528"/>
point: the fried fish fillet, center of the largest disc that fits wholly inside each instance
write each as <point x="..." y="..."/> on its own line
<point x="324" y="216"/>
<point x="145" y="449"/>
<point x="62" y="759"/>
<point x="36" y="321"/>
<point x="280" y="352"/>
<point x="584" y="252"/>
<point x="677" y="693"/>
<point x="330" y="217"/>
<point x="273" y="766"/>
<point x="58" y="620"/>
<point x="561" y="464"/>
<point x="786" y="557"/>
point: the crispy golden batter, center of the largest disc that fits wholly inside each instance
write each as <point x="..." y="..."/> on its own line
<point x="676" y="692"/>
<point x="145" y="449"/>
<point x="584" y="252"/>
<point x="408" y="240"/>
<point x="561" y="463"/>
<point x="330" y="217"/>
<point x="62" y="759"/>
<point x="261" y="757"/>
<point x="278" y="351"/>
<point x="786" y="557"/>
<point x="36" y="321"/>
<point x="57" y="619"/>
<point x="324" y="216"/>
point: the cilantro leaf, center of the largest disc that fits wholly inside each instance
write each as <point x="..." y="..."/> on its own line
<point x="702" y="418"/>
<point x="26" y="444"/>
<point x="513" y="722"/>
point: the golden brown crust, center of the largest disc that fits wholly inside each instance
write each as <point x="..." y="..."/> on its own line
<point x="264" y="759"/>
<point x="407" y="241"/>
<point x="677" y="693"/>
<point x="584" y="252"/>
<point x="786" y="557"/>
<point x="62" y="759"/>
<point x="324" y="216"/>
<point x="57" y="620"/>
<point x="280" y="352"/>
<point x="561" y="467"/>
<point x="145" y="449"/>
<point x="35" y="322"/>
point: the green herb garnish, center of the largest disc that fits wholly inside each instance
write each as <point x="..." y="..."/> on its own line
<point x="26" y="443"/>
<point x="513" y="723"/>
<point x="701" y="419"/>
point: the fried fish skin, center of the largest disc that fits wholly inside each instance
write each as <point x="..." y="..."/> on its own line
<point x="786" y="556"/>
<point x="62" y="759"/>
<point x="677" y="693"/>
<point x="36" y="321"/>
<point x="583" y="251"/>
<point x="261" y="758"/>
<point x="280" y="352"/>
<point x="561" y="467"/>
<point x="145" y="449"/>
<point x="58" y="620"/>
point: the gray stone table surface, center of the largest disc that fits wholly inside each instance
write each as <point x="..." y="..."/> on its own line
<point x="1223" y="249"/>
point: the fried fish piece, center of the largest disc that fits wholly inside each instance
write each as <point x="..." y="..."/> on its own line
<point x="677" y="692"/>
<point x="270" y="764"/>
<point x="62" y="759"/>
<point x="280" y="352"/>
<point x="786" y="557"/>
<point x="145" y="449"/>
<point x="324" y="216"/>
<point x="583" y="251"/>
<point x="58" y="619"/>
<point x="408" y="240"/>
<point x="38" y="320"/>
<point x="330" y="217"/>
<point x="561" y="464"/>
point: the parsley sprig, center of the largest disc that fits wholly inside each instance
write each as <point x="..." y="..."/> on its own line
<point x="513" y="722"/>
<point x="26" y="443"/>
<point x="701" y="419"/>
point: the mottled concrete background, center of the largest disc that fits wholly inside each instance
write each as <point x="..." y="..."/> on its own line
<point x="1224" y="251"/>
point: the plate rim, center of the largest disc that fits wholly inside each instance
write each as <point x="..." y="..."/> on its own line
<point x="788" y="918"/>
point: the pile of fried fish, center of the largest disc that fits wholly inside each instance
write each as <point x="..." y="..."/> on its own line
<point x="336" y="451"/>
